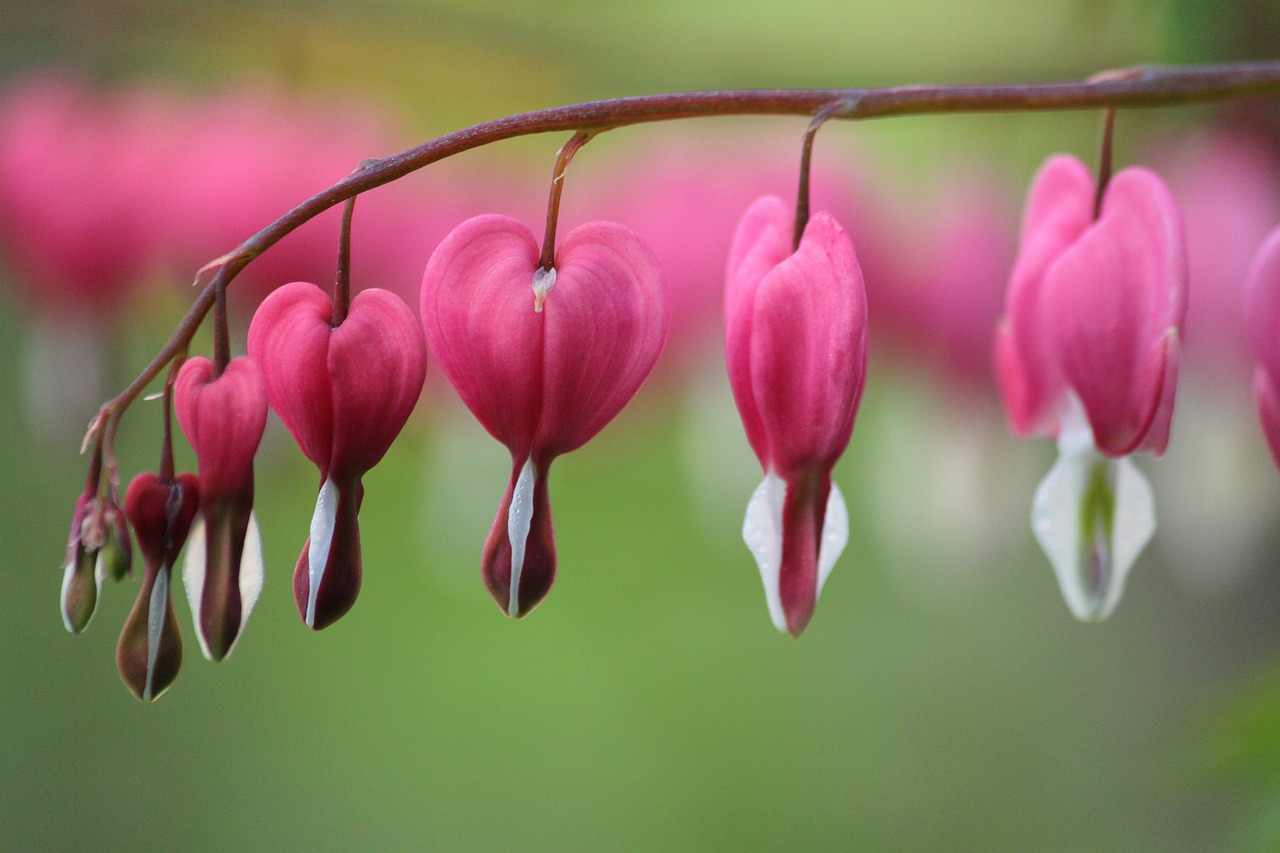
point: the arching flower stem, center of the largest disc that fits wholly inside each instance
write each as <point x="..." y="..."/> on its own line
<point x="1137" y="87"/>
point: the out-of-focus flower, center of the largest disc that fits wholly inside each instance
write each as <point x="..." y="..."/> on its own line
<point x="1088" y="352"/>
<point x="938" y="308"/>
<point x="1228" y="188"/>
<point x="149" y="653"/>
<point x="223" y="419"/>
<point x="795" y="343"/>
<point x="543" y="369"/>
<point x="344" y="391"/>
<point x="1262" y="313"/>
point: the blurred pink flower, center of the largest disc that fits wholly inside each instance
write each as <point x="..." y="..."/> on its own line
<point x="1228" y="187"/>
<point x="938" y="307"/>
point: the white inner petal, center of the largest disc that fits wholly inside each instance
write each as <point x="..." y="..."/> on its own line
<point x="193" y="570"/>
<point x="322" y="522"/>
<point x="1092" y="516"/>
<point x="193" y="573"/>
<point x="519" y="520"/>
<point x="250" y="575"/>
<point x="762" y="531"/>
<point x="157" y="612"/>
<point x="835" y="534"/>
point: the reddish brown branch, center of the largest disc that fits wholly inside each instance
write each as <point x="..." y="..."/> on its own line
<point x="1137" y="87"/>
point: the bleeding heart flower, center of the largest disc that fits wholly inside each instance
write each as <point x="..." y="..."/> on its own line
<point x="149" y="653"/>
<point x="542" y="382"/>
<point x="796" y="347"/>
<point x="1088" y="352"/>
<point x="1262" y="319"/>
<point x="223" y="419"/>
<point x="344" y="391"/>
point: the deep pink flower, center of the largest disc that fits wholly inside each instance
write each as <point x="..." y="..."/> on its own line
<point x="223" y="420"/>
<point x="149" y="653"/>
<point x="1088" y="352"/>
<point x="344" y="392"/>
<point x="1262" y="317"/>
<point x="1095" y="308"/>
<point x="796" y="347"/>
<point x="542" y="382"/>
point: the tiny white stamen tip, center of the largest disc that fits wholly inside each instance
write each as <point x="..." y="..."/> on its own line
<point x="156" y="396"/>
<point x="543" y="281"/>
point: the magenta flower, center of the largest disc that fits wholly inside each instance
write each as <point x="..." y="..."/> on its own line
<point x="344" y="392"/>
<point x="223" y="419"/>
<point x="1262" y="318"/>
<point x="149" y="653"/>
<point x="796" y="347"/>
<point x="1088" y="352"/>
<point x="544" y="369"/>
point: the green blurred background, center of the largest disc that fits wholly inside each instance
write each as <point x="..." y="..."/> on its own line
<point x="942" y="699"/>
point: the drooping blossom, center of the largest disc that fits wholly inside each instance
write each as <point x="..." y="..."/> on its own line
<point x="98" y="548"/>
<point x="795" y="343"/>
<point x="149" y="653"/>
<point x="1088" y="352"/>
<point x="223" y="418"/>
<point x="344" y="391"/>
<point x="544" y="359"/>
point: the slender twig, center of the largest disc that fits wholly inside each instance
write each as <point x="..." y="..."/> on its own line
<point x="806" y="157"/>
<point x="1104" y="160"/>
<point x="547" y="260"/>
<point x="1137" y="87"/>
<point x="342" y="287"/>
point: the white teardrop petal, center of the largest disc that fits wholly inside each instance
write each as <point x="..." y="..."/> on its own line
<point x="762" y="531"/>
<point x="157" y="612"/>
<point x="519" y="521"/>
<point x="193" y="571"/>
<point x="1092" y="516"/>
<point x="322" y="522"/>
<point x="251" y="574"/>
<point x="835" y="535"/>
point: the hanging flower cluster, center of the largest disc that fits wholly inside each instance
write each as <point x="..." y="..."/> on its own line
<point x="546" y="343"/>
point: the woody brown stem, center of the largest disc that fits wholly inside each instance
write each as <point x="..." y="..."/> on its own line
<point x="1137" y="87"/>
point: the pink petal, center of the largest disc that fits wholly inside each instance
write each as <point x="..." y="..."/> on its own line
<point x="1111" y="302"/>
<point x="1059" y="209"/>
<point x="223" y="419"/>
<point x="289" y="338"/>
<point x="809" y="350"/>
<point x="377" y="363"/>
<point x="477" y="311"/>
<point x="544" y="382"/>
<point x="1262" y="318"/>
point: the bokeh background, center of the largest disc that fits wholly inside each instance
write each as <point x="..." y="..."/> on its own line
<point x="943" y="697"/>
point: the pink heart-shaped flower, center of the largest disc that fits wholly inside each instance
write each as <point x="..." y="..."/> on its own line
<point x="344" y="392"/>
<point x="1095" y="308"/>
<point x="542" y="382"/>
